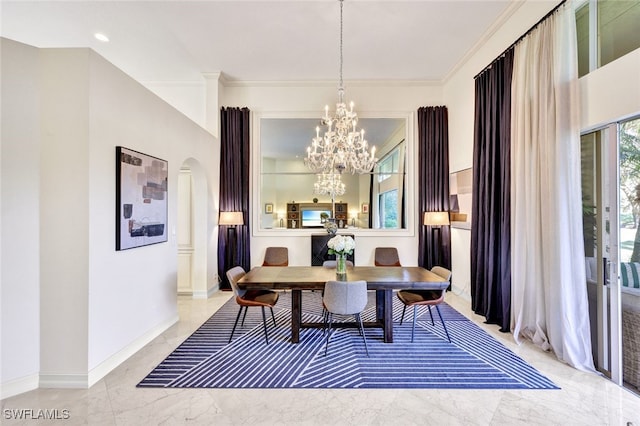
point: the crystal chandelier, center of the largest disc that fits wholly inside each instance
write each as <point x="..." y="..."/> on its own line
<point x="329" y="184"/>
<point x="342" y="146"/>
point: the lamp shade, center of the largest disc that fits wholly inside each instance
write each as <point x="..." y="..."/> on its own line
<point x="436" y="218"/>
<point x="231" y="218"/>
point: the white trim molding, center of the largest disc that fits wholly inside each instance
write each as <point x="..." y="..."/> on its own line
<point x="18" y="386"/>
<point x="85" y="381"/>
<point x="125" y="353"/>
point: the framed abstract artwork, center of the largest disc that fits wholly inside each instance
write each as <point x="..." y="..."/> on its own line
<point x="268" y="208"/>
<point x="141" y="199"/>
<point x="461" y="188"/>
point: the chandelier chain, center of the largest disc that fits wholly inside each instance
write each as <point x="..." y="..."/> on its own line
<point x="341" y="56"/>
<point x="342" y="146"/>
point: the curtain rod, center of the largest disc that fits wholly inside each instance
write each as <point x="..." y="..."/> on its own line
<point x="520" y="38"/>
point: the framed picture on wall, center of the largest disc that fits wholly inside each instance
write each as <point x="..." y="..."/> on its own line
<point x="460" y="187"/>
<point x="141" y="199"/>
<point x="268" y="208"/>
<point x="365" y="207"/>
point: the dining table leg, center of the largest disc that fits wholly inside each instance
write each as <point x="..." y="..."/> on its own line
<point x="296" y="315"/>
<point x="384" y="313"/>
<point x="388" y="315"/>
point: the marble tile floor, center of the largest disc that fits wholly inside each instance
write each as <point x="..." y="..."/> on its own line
<point x="585" y="399"/>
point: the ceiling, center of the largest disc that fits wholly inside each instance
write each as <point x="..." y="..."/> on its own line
<point x="264" y="40"/>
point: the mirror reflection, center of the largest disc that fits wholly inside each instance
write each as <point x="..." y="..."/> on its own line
<point x="289" y="191"/>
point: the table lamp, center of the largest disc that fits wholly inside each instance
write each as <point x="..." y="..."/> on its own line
<point x="231" y="220"/>
<point x="436" y="219"/>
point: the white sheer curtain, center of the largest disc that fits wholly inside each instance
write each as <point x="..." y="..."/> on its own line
<point x="549" y="294"/>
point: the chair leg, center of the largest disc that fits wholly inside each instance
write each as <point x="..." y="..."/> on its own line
<point x="431" y="315"/>
<point x="235" y="323"/>
<point x="246" y="308"/>
<point x="359" y="319"/>
<point x="325" y="317"/>
<point x="402" y="318"/>
<point x="273" y="317"/>
<point x="445" y="327"/>
<point x="264" y="324"/>
<point x="415" y="315"/>
<point x="330" y="320"/>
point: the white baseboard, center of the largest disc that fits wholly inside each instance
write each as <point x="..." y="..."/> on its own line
<point x="63" y="381"/>
<point x="84" y="381"/>
<point x="206" y="294"/>
<point x="463" y="292"/>
<point x="122" y="355"/>
<point x="18" y="386"/>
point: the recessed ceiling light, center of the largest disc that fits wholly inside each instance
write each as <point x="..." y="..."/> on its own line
<point x="101" y="37"/>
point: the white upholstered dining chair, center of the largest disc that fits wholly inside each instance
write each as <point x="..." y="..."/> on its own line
<point x="344" y="298"/>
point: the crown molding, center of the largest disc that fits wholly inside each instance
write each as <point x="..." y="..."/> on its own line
<point x="497" y="24"/>
<point x="329" y="83"/>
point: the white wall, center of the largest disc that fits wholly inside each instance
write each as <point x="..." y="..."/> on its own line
<point x="64" y="214"/>
<point x="20" y="224"/>
<point x="97" y="306"/>
<point x="122" y="112"/>
<point x="612" y="92"/>
<point x="187" y="97"/>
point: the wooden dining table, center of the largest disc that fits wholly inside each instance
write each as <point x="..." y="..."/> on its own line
<point x="384" y="280"/>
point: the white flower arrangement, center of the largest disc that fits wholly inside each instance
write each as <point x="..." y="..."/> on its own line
<point x="341" y="245"/>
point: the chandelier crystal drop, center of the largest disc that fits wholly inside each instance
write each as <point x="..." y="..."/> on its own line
<point x="342" y="147"/>
<point x="329" y="184"/>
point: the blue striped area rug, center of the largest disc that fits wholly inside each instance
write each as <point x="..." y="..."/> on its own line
<point x="474" y="359"/>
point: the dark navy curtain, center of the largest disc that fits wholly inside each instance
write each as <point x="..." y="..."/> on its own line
<point x="370" y="214"/>
<point x="491" y="205"/>
<point x="434" y="243"/>
<point x="234" y="189"/>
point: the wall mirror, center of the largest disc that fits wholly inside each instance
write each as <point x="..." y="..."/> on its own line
<point x="284" y="186"/>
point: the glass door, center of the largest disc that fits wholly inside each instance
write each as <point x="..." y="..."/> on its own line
<point x="611" y="214"/>
<point x="596" y="210"/>
<point x="629" y="268"/>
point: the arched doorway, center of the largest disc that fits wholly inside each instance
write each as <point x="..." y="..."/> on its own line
<point x="192" y="230"/>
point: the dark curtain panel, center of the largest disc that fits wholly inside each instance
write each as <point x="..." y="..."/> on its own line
<point x="370" y="215"/>
<point x="403" y="213"/>
<point x="234" y="189"/>
<point x="491" y="206"/>
<point x="434" y="243"/>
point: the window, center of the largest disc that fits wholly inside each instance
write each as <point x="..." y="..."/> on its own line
<point x="389" y="209"/>
<point x="606" y="30"/>
<point x="388" y="165"/>
<point x="390" y="179"/>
